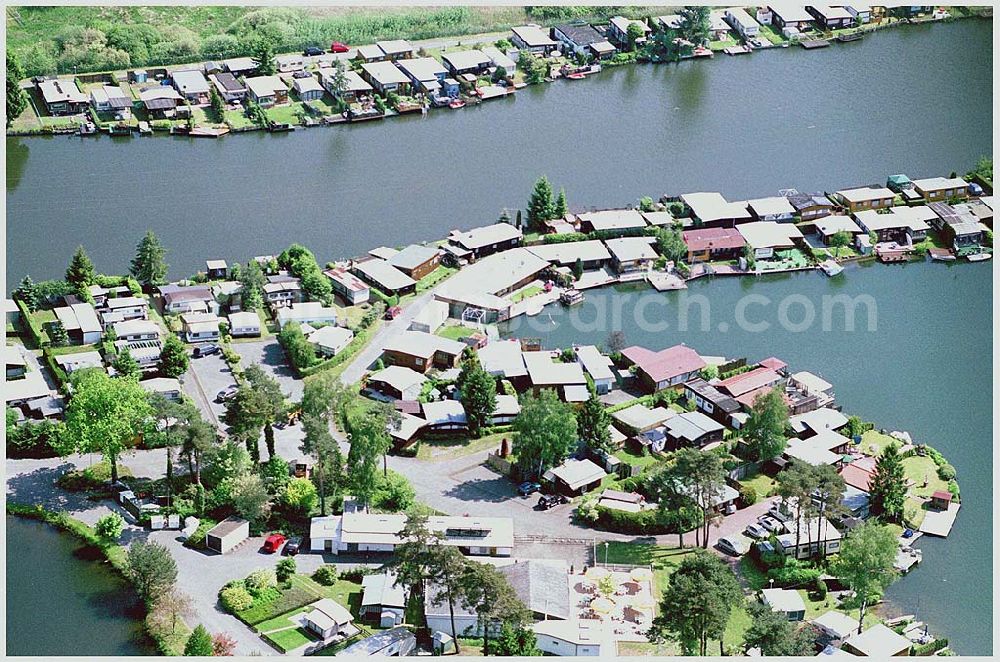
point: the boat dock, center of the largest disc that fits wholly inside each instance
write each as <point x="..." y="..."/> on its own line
<point x="939" y="522"/>
<point x="664" y="282"/>
<point x="737" y="50"/>
<point x="810" y="44"/>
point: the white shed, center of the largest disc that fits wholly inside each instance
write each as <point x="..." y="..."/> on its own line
<point x="227" y="534"/>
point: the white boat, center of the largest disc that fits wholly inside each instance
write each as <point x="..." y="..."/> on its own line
<point x="980" y="257"/>
<point x="830" y="268"/>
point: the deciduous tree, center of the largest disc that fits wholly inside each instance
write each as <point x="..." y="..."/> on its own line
<point x="150" y="568"/>
<point x="17" y="98"/>
<point x="772" y="633"/>
<point x="174" y="359"/>
<point x="695" y="24"/>
<point x="545" y="433"/>
<point x="368" y="432"/>
<point x="251" y="499"/>
<point x="125" y="365"/>
<point x="866" y="563"/>
<point x="252" y="281"/>
<point x="300" y="495"/>
<point x="110" y="527"/>
<point x="693" y="475"/>
<point x="487" y="593"/>
<point x="764" y="431"/>
<point x="515" y="641"/>
<point x="105" y="415"/>
<point x="697" y="603"/>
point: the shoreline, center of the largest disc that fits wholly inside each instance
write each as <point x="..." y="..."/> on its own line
<point x="75" y="124"/>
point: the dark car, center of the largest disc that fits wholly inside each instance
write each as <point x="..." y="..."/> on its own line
<point x="339" y="47"/>
<point x="526" y="488"/>
<point x="312" y="51"/>
<point x="206" y="350"/>
<point x="293" y="545"/>
<point x="547" y="501"/>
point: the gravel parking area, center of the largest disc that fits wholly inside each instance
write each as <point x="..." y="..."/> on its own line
<point x="207" y="376"/>
<point x="270" y="356"/>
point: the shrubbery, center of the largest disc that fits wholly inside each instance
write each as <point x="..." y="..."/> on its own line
<point x="748" y="495"/>
<point x="260" y="580"/>
<point x="645" y="522"/>
<point x="235" y="598"/>
<point x="325" y="575"/>
<point x="793" y="573"/>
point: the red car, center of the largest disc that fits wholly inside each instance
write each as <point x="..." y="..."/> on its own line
<point x="393" y="312"/>
<point x="339" y="47"/>
<point x="274" y="542"/>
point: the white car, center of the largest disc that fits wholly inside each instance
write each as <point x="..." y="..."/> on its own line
<point x="733" y="545"/>
<point x="777" y="513"/>
<point x="770" y="523"/>
<point x="757" y="531"/>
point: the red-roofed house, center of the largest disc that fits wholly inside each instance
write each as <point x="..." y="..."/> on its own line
<point x="705" y="244"/>
<point x="746" y="382"/>
<point x="774" y="363"/>
<point x="669" y="367"/>
<point x="858" y="474"/>
<point x="747" y="399"/>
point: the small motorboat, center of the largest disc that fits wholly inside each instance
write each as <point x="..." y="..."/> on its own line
<point x="831" y="268"/>
<point x="941" y="255"/>
<point x="457" y="103"/>
<point x="980" y="257"/>
<point x="576" y="75"/>
<point x="571" y="297"/>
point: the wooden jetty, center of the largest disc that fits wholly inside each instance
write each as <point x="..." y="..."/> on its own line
<point x="209" y="132"/>
<point x="846" y="37"/>
<point x="737" y="50"/>
<point x="810" y="44"/>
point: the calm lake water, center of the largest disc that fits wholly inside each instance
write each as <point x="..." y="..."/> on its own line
<point x="916" y="100"/>
<point x="923" y="369"/>
<point x="63" y="601"/>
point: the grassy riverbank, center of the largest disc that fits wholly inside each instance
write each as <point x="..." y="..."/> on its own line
<point x="113" y="552"/>
<point x="67" y="39"/>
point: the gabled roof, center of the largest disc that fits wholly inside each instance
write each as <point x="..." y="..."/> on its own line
<point x="691" y="426"/>
<point x="421" y="344"/>
<point x="503" y="357"/>
<point x="381" y="589"/>
<point x="533" y="35"/>
<point x="470" y="59"/>
<point x="384" y="275"/>
<point x="413" y="256"/>
<point x="485" y="236"/>
<point x="422" y="68"/>
<point x="398" y="377"/>
<point x="745" y="382"/>
<point x="544" y="371"/>
<point x="769" y="234"/>
<point x="613" y="219"/>
<point x="665" y="364"/>
<point x="265" y="86"/>
<point x="702" y="239"/>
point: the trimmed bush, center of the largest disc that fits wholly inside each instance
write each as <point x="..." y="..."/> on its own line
<point x="235" y="598"/>
<point x="946" y="472"/>
<point x="325" y="575"/>
<point x="260" y="580"/>
<point x="748" y="495"/>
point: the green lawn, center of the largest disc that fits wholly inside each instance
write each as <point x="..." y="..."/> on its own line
<point x="301" y="591"/>
<point x="526" y="293"/>
<point x="237" y="119"/>
<point x="289" y="639"/>
<point x="455" y="331"/>
<point x="664" y="560"/>
<point x="874" y="442"/>
<point x="923" y="472"/>
<point x="772" y="35"/>
<point x="455" y="447"/>
<point x="635" y="459"/>
<point x="279" y="622"/>
<point x="286" y="114"/>
<point x="761" y="483"/>
<point x="435" y="277"/>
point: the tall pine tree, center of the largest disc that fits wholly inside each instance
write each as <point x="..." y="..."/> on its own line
<point x="560" y="209"/>
<point x="148" y="265"/>
<point x="593" y="423"/>
<point x="479" y="392"/>
<point x="80" y="273"/>
<point x="540" y="206"/>
<point x="888" y="485"/>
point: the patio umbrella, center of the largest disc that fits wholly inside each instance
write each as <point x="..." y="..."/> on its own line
<point x="597" y="572"/>
<point x="602" y="605"/>
<point x="641" y="574"/>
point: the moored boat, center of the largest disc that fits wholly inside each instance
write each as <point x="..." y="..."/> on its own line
<point x="941" y="255"/>
<point x="831" y="268"/>
<point x="571" y="297"/>
<point x="979" y="257"/>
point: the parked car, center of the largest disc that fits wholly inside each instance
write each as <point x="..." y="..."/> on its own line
<point x="293" y="545"/>
<point x="547" y="501"/>
<point x="206" y="350"/>
<point x="733" y="545"/>
<point x="226" y="394"/>
<point x="393" y="312"/>
<point x="312" y="51"/>
<point x="274" y="542"/>
<point x="769" y="523"/>
<point x="777" y="513"/>
<point x="339" y="47"/>
<point x="757" y="531"/>
<point x="526" y="488"/>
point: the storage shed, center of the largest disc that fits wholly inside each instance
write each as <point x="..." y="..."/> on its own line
<point x="227" y="534"/>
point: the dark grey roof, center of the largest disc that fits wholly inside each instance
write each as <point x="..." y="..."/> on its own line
<point x="160" y="104"/>
<point x="542" y="587"/>
<point x="713" y="395"/>
<point x="376" y="643"/>
<point x="229" y="82"/>
<point x="581" y="35"/>
<point x="803" y="200"/>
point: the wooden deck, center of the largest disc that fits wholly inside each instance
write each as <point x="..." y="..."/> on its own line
<point x="939" y="522"/>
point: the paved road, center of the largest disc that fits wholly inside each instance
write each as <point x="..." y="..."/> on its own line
<point x="357" y="368"/>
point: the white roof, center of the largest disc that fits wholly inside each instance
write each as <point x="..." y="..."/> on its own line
<point x="811" y="454"/>
<point x="190" y="82"/>
<point x="470" y="59"/>
<point x="628" y="249"/>
<point x="419" y="343"/>
<point x="584" y="632"/>
<point x="331" y="336"/>
<point x="671" y="21"/>
<point x="792" y="13"/>
<point x="778" y="204"/>
<point x="783" y="600"/>
<point x="544" y="371"/>
<point x="691" y="425"/>
<point x="830" y="225"/>
<point x="161" y="385"/>
<point x="135" y="327"/>
<point x="442" y="412"/>
<point x="816" y="420"/>
<point x="577" y="473"/>
<point x="597" y="365"/>
<point x="533" y="35"/>
<point x="915" y="218"/>
<point x="307" y="310"/>
<point x="310" y="84"/>
<point x="383" y="252"/>
<point x="359" y="527"/>
<point x="384" y="274"/>
<point x="613" y="219"/>
<point x="832" y="12"/>
<point x="622" y="23"/>
<point x="399" y="377"/>
<point x="811" y="382"/>
<point x="394" y="46"/>
<point x="570" y="251"/>
<point x="503" y="357"/>
<point x="478" y="283"/>
<point x="485" y="236"/>
<point x="498" y="58"/>
<point x="80" y="316"/>
<point x="769" y="234"/>
<point x="423" y="68"/>
<point x="837" y="623"/>
<point x="353" y="82"/>
<point x="507" y="405"/>
<point x="413" y="256"/>
<point x="370" y="51"/>
<point x="381" y="589"/>
<point x="830" y="651"/>
<point x="79" y="360"/>
<point x="880" y="642"/>
<point x="265" y="86"/>
<point x="740" y="16"/>
<point x="333" y="612"/>
<point x="386" y="73"/>
<point x="865" y="193"/>
<point x="244" y="320"/>
<point x="54" y="91"/>
<point x="641" y="417"/>
<point x="711" y="206"/>
<point x="238" y="64"/>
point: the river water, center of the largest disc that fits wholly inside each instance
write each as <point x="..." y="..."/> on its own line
<point x="916" y="100"/>
<point x="922" y="366"/>
<point x="62" y="601"/>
